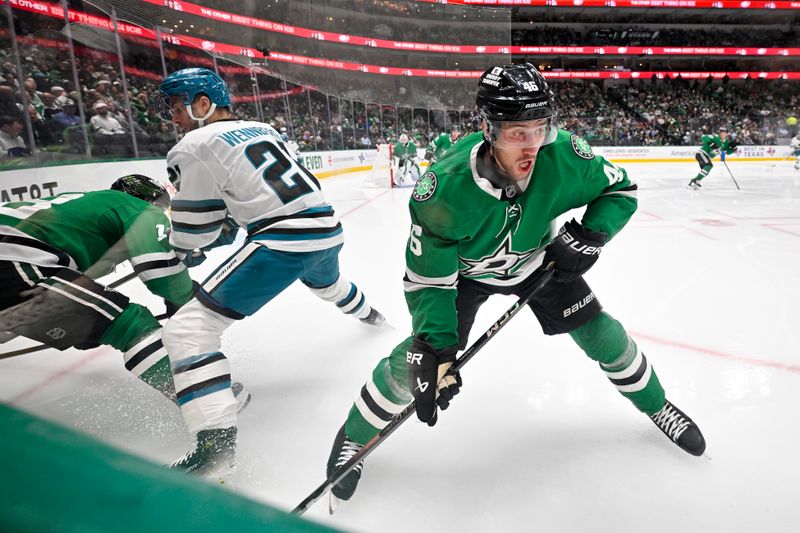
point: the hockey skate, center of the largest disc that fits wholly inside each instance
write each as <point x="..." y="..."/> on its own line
<point x="343" y="450"/>
<point x="214" y="455"/>
<point x="694" y="184"/>
<point x="680" y="429"/>
<point x="374" y="318"/>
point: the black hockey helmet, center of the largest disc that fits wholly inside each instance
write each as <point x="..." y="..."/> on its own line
<point x="144" y="188"/>
<point x="515" y="93"/>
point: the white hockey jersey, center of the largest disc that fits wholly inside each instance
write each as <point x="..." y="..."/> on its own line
<point x="242" y="169"/>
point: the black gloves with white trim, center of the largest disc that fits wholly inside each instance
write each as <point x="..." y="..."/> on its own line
<point x="428" y="380"/>
<point x="574" y="250"/>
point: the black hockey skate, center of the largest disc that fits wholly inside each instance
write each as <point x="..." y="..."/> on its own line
<point x="343" y="450"/>
<point x="694" y="183"/>
<point x="680" y="428"/>
<point x="374" y="318"/>
<point x="214" y="455"/>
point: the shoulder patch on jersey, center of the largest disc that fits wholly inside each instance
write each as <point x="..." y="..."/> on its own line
<point x="425" y="187"/>
<point x="581" y="147"/>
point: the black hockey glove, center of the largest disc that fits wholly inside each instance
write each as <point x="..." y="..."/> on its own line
<point x="428" y="155"/>
<point x="574" y="250"/>
<point x="426" y="378"/>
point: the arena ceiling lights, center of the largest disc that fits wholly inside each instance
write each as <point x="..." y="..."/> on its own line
<point x="214" y="47"/>
<point x="670" y="4"/>
<point x="406" y="46"/>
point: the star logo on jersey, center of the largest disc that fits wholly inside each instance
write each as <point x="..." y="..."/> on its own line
<point x="581" y="147"/>
<point x="425" y="187"/>
<point x="501" y="263"/>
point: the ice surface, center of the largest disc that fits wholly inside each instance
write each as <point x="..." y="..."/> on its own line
<point x="706" y="281"/>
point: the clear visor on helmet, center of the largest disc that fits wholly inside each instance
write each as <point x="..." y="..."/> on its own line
<point x="522" y="134"/>
<point x="166" y="102"/>
<point x="164" y="105"/>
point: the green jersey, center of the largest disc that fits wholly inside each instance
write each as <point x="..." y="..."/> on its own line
<point x="464" y="224"/>
<point x="441" y="144"/>
<point x="402" y="151"/>
<point x="712" y="144"/>
<point x="92" y="232"/>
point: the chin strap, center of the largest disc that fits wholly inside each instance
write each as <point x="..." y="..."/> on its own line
<point x="201" y="121"/>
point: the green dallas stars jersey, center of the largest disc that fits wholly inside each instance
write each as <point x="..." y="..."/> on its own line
<point x="401" y="150"/>
<point x="462" y="225"/>
<point x="712" y="145"/>
<point x="92" y="232"/>
<point x="441" y="144"/>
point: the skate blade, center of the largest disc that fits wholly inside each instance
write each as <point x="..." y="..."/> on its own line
<point x="333" y="503"/>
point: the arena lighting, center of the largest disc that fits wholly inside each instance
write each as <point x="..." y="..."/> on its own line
<point x="54" y="10"/>
<point x="407" y="46"/>
<point x="669" y="4"/>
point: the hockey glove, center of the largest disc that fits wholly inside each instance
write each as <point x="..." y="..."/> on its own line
<point x="192" y="258"/>
<point x="574" y="250"/>
<point x="428" y="155"/>
<point x="427" y="380"/>
<point x="226" y="236"/>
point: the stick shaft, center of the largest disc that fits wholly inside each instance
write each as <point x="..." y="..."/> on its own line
<point x="398" y="419"/>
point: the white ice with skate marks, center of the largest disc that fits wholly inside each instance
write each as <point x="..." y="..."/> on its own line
<point x="706" y="281"/>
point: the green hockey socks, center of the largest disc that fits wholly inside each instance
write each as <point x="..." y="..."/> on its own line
<point x="606" y="341"/>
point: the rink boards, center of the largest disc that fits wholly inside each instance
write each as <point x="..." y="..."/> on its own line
<point x="32" y="183"/>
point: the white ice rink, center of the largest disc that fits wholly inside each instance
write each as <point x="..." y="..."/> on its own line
<point x="706" y="281"/>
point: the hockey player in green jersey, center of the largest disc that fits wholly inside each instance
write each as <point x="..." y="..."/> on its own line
<point x="404" y="154"/>
<point x="440" y="145"/>
<point x="52" y="249"/>
<point x="713" y="145"/>
<point x="481" y="224"/>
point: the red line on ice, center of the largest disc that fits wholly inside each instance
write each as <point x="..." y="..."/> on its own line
<point x="716" y="353"/>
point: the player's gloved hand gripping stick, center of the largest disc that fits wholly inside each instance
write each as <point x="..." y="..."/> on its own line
<point x="368" y="448"/>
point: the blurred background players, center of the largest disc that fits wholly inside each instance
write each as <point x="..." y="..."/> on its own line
<point x="440" y="145"/>
<point x="713" y="145"/>
<point x="404" y="155"/>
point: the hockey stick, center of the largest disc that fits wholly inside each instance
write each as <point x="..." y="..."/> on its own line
<point x="38" y="347"/>
<point x="731" y="174"/>
<point x="124" y="279"/>
<point x="401" y="417"/>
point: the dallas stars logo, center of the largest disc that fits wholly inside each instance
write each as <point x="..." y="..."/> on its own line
<point x="425" y="187"/>
<point x="581" y="147"/>
<point x="501" y="263"/>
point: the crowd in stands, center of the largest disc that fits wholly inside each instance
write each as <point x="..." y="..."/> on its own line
<point x="346" y="115"/>
<point x="644" y="36"/>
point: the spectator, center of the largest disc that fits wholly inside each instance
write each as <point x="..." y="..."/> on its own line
<point x="103" y="123"/>
<point x="59" y="94"/>
<point x="66" y="117"/>
<point x="11" y="144"/>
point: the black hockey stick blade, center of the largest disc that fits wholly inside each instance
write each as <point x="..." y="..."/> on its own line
<point x="406" y="413"/>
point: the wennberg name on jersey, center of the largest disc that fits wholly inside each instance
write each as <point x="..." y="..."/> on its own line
<point x="242" y="169"/>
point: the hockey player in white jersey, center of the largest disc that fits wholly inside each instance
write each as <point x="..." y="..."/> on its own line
<point x="795" y="146"/>
<point x="237" y="169"/>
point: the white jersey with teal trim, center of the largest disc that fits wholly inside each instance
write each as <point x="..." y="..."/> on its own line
<point x="242" y="169"/>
